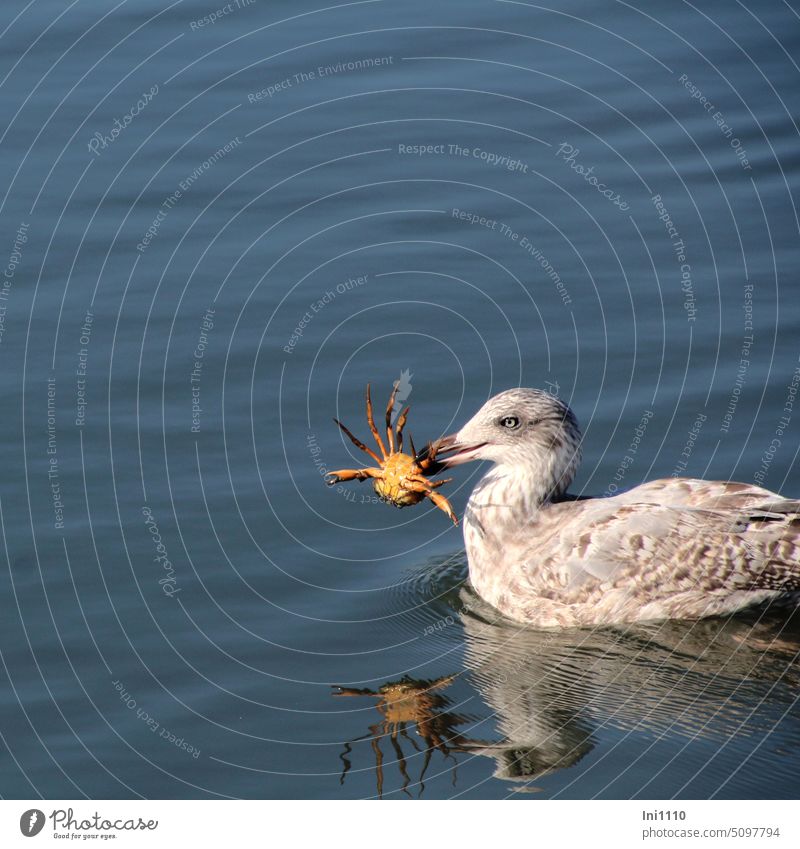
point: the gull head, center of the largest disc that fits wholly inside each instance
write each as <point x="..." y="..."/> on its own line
<point x="526" y="431"/>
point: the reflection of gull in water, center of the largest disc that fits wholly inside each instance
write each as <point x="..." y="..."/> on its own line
<point x="673" y="548"/>
<point x="559" y="699"/>
<point x="553" y="692"/>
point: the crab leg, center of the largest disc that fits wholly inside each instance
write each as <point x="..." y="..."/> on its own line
<point x="401" y="423"/>
<point x="429" y="459"/>
<point x="352" y="474"/>
<point x="427" y="483"/>
<point x="389" y="408"/>
<point x="371" y="421"/>
<point x="443" y="504"/>
<point x="358" y="443"/>
<point x="439" y="500"/>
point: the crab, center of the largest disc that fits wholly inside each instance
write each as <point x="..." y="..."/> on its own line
<point x="399" y="479"/>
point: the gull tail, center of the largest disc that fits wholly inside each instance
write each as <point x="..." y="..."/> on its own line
<point x="772" y="535"/>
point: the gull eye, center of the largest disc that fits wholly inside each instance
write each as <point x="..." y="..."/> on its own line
<point x="509" y="422"/>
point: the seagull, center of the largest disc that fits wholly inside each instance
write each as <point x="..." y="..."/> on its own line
<point x="674" y="548"/>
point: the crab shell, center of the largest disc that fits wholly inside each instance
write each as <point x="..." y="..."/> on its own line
<point x="393" y="487"/>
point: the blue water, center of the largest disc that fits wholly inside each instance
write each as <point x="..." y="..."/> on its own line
<point x="605" y="204"/>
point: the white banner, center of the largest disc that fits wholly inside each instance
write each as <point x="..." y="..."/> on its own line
<point x="331" y="824"/>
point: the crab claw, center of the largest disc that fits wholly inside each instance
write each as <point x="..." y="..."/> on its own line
<point x="426" y="459"/>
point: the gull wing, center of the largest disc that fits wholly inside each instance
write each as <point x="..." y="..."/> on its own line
<point x="653" y="549"/>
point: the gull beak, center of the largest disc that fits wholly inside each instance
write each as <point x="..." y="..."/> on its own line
<point x="449" y="451"/>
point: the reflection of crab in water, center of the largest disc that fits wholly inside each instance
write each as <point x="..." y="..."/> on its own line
<point x="400" y="479"/>
<point x="403" y="703"/>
